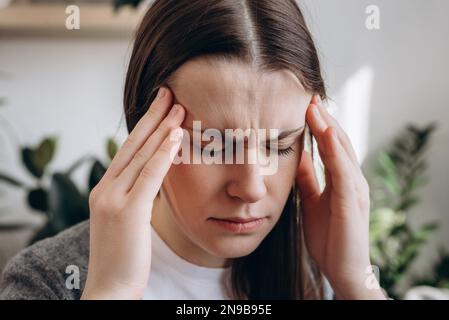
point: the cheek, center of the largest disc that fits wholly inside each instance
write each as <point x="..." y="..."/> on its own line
<point x="193" y="187"/>
<point x="281" y="183"/>
<point x="288" y="166"/>
<point x="196" y="179"/>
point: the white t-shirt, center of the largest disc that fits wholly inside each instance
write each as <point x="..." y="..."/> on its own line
<point x="174" y="278"/>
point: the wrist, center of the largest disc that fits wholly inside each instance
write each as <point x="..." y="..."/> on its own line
<point x="357" y="290"/>
<point x="94" y="292"/>
<point x="357" y="284"/>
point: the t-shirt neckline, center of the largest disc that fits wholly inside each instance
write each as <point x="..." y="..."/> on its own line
<point x="182" y="266"/>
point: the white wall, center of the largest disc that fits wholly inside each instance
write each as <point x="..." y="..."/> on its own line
<point x="380" y="80"/>
<point x="72" y="89"/>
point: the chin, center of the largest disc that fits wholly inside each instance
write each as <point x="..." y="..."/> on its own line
<point x="234" y="246"/>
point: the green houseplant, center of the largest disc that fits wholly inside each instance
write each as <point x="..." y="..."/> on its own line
<point x="61" y="200"/>
<point x="399" y="173"/>
<point x="440" y="274"/>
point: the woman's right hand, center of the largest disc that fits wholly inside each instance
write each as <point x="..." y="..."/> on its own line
<point x="121" y="204"/>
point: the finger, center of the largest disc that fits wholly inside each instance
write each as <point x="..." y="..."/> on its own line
<point x="343" y="139"/>
<point x="318" y="127"/>
<point x="327" y="176"/>
<point x="305" y="177"/>
<point x="129" y="175"/>
<point x="338" y="164"/>
<point x="143" y="129"/>
<point x="152" y="175"/>
<point x="342" y="135"/>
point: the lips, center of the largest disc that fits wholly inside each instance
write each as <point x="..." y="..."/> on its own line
<point x="240" y="220"/>
<point x="238" y="225"/>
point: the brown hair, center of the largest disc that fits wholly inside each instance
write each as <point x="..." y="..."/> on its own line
<point x="271" y="35"/>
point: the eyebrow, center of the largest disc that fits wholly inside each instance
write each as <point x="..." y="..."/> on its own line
<point x="282" y="135"/>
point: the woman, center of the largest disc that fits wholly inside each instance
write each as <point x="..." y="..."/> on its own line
<point x="217" y="231"/>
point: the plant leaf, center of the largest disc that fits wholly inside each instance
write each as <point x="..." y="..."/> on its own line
<point x="45" y="152"/>
<point x="28" y="161"/>
<point x="111" y="148"/>
<point x="67" y="206"/>
<point x="38" y="199"/>
<point x="36" y="160"/>
<point x="10" y="180"/>
<point x="96" y="173"/>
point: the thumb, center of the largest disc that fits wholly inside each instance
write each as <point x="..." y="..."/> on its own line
<point x="305" y="177"/>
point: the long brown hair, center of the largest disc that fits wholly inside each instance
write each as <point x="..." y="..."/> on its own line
<point x="271" y="35"/>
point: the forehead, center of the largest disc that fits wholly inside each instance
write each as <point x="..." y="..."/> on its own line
<point x="227" y="94"/>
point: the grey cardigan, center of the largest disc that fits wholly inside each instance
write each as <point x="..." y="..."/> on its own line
<point x="41" y="271"/>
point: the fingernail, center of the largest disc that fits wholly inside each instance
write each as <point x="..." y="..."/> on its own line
<point x="175" y="110"/>
<point x="161" y="93"/>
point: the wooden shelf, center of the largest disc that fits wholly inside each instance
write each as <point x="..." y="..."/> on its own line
<point x="96" y="20"/>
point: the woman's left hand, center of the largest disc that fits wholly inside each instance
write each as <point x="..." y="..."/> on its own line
<point x="336" y="220"/>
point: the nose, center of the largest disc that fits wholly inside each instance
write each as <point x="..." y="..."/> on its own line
<point x="246" y="183"/>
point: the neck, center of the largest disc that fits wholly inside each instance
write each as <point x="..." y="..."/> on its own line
<point x="167" y="228"/>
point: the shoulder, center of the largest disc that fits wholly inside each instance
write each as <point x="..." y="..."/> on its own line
<point x="41" y="270"/>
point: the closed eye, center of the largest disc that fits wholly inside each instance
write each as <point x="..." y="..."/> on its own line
<point x="283" y="152"/>
<point x="286" y="152"/>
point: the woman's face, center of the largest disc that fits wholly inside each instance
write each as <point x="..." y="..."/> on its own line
<point x="224" y="95"/>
